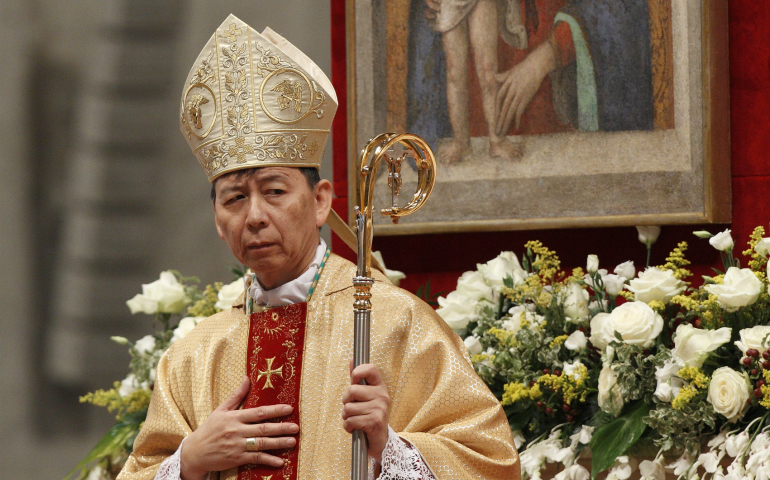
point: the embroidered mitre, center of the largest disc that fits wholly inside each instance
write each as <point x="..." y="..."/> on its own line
<point x="255" y="100"/>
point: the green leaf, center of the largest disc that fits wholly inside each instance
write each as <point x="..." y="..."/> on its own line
<point x="615" y="438"/>
<point x="115" y="439"/>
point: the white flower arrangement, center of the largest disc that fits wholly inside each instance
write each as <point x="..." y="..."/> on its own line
<point x="167" y="299"/>
<point x="616" y="363"/>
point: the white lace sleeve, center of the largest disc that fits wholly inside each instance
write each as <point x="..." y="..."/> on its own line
<point x="171" y="468"/>
<point x="402" y="461"/>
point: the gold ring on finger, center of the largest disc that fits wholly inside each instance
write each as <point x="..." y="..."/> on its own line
<point x="251" y="444"/>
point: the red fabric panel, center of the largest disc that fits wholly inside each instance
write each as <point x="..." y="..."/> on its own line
<point x="751" y="207"/>
<point x="750" y="87"/>
<point x="274" y="366"/>
<point x="339" y="81"/>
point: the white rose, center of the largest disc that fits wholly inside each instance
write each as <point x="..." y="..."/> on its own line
<point x="655" y="284"/>
<point x="636" y="323"/>
<point x="609" y="397"/>
<point x="185" y="326"/>
<point x="576" y="302"/>
<point x="599" y="334"/>
<point x="739" y="288"/>
<point x="626" y="269"/>
<point x="613" y="284"/>
<point x="592" y="264"/>
<point x="728" y="392"/>
<point x="757" y="337"/>
<point x="456" y="310"/>
<point x="473" y="345"/>
<point x="763" y="247"/>
<point x="576" y="341"/>
<point x="648" y="235"/>
<point x="722" y="241"/>
<point x="229" y="294"/>
<point x="165" y="295"/>
<point x="692" y="345"/>
<point x="505" y="264"/>
<point x="145" y="344"/>
<point x="472" y="285"/>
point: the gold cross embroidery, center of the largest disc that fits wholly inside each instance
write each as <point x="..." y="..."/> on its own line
<point x="232" y="32"/>
<point x="267" y="477"/>
<point x="269" y="372"/>
<point x="240" y="149"/>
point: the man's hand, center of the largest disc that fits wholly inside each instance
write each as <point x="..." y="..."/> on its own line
<point x="519" y="84"/>
<point x="366" y="407"/>
<point x="220" y="442"/>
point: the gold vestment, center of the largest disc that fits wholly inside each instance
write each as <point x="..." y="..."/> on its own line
<point x="437" y="402"/>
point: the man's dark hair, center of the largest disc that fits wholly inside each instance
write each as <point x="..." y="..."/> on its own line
<point x="311" y="175"/>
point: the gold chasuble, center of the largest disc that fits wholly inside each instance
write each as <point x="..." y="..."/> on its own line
<point x="437" y="402"/>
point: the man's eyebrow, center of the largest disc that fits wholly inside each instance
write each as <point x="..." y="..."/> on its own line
<point x="270" y="177"/>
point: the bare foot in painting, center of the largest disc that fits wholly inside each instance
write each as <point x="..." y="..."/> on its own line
<point x="453" y="152"/>
<point x="505" y="149"/>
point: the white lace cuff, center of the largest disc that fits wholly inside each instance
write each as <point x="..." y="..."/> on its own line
<point x="401" y="461"/>
<point x="171" y="468"/>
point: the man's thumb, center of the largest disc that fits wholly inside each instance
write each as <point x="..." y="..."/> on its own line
<point x="239" y="394"/>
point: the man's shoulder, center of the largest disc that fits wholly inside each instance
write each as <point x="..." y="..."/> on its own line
<point x="210" y="331"/>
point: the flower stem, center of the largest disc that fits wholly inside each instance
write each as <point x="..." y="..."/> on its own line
<point x="649" y="251"/>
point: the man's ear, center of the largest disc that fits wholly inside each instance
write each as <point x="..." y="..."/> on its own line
<point x="323" y="201"/>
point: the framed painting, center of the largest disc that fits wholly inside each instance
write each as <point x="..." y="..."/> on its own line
<point x="547" y="113"/>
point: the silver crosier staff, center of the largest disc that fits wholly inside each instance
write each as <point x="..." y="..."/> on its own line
<point x="379" y="148"/>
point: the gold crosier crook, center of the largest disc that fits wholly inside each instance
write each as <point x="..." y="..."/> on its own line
<point x="376" y="150"/>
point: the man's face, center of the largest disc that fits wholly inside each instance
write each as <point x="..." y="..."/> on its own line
<point x="270" y="220"/>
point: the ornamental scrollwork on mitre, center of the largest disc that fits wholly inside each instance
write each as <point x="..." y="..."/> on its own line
<point x="269" y="62"/>
<point x="291" y="147"/>
<point x="215" y="157"/>
<point x="318" y="96"/>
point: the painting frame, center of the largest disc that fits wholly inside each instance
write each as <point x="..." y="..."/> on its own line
<point x="715" y="136"/>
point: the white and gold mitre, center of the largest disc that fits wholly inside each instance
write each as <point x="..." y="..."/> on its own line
<point x="255" y="100"/>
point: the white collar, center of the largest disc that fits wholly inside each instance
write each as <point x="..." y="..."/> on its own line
<point x="295" y="291"/>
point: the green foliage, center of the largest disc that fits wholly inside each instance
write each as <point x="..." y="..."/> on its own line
<point x="616" y="437"/>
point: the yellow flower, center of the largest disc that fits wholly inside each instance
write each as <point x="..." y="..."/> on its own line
<point x="765" y="389"/>
<point x="695" y="376"/>
<point x="757" y="262"/>
<point x="676" y="262"/>
<point x="507" y="339"/>
<point x="515" y="391"/>
<point x="686" y="394"/>
<point x="657" y="305"/>
<point x="686" y="302"/>
<point x="558" y="340"/>
<point x="627" y="295"/>
<point x="572" y="387"/>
